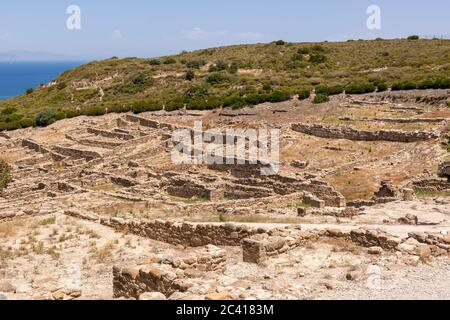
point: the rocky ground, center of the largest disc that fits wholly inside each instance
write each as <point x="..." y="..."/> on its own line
<point x="73" y="180"/>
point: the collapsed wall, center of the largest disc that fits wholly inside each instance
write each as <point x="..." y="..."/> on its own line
<point x="167" y="275"/>
<point x="349" y="133"/>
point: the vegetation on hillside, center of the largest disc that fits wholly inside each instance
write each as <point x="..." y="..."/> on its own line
<point x="5" y="174"/>
<point x="233" y="76"/>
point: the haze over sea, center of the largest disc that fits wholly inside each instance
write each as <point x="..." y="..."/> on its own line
<point x="17" y="77"/>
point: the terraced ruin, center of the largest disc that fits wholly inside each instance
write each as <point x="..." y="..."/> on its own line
<point x="97" y="210"/>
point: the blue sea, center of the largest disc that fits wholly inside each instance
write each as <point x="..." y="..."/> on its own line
<point x="17" y="77"/>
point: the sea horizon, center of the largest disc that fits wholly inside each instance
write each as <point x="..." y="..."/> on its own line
<point x="18" y="76"/>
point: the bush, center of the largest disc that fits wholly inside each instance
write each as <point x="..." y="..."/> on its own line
<point x="304" y="50"/>
<point x="46" y="118"/>
<point x="304" y="94"/>
<point x="117" y="108"/>
<point x="136" y="83"/>
<point x="442" y="83"/>
<point x="360" y="88"/>
<point x="219" y="66"/>
<point x="190" y="75"/>
<point x="216" y="78"/>
<point x="145" y="106"/>
<point x="196" y="92"/>
<point x="154" y="62"/>
<point x="234" y="102"/>
<point x="329" y="91"/>
<point x="413" y="37"/>
<point x="233" y="69"/>
<point x="382" y="86"/>
<point x="335" y="90"/>
<point x="170" y="61"/>
<point x="280" y="42"/>
<point x="61" y="86"/>
<point x="5" y="174"/>
<point x="30" y="91"/>
<point x="317" y="58"/>
<point x="321" y="90"/>
<point x="255" y="98"/>
<point x="195" y="64"/>
<point x="205" y="104"/>
<point x="8" y="111"/>
<point x="174" y="104"/>
<point x="406" y="85"/>
<point x="94" y="111"/>
<point x="321" y="98"/>
<point x="278" y="96"/>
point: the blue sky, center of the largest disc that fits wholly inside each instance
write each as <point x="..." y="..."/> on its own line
<point x="153" y="28"/>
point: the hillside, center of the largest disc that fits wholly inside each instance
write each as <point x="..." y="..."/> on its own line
<point x="232" y="76"/>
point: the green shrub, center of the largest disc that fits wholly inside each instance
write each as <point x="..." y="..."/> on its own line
<point x="442" y="83"/>
<point x="317" y="58"/>
<point x="321" y="90"/>
<point x="154" y="62"/>
<point x="329" y="91"/>
<point x="196" y="92"/>
<point x="321" y="98"/>
<point x="174" y="104"/>
<point x="278" y="96"/>
<point x="190" y="75"/>
<point x="413" y="37"/>
<point x="195" y="64"/>
<point x="8" y="111"/>
<point x="94" y="111"/>
<point x="405" y="85"/>
<point x="427" y="84"/>
<point x="382" y="86"/>
<point x="304" y="51"/>
<point x="136" y="83"/>
<point x="30" y="91"/>
<point x="46" y="118"/>
<point x="360" y="88"/>
<point x="170" y="61"/>
<point x="61" y="85"/>
<point x="233" y="68"/>
<point x="5" y="174"/>
<point x="255" y="98"/>
<point x="145" y="106"/>
<point x="318" y="48"/>
<point x="205" y="104"/>
<point x="280" y="42"/>
<point x="219" y="66"/>
<point x="304" y="94"/>
<point x="217" y="78"/>
<point x="234" y="102"/>
<point x="335" y="90"/>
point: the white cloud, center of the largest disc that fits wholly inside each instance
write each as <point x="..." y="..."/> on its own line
<point x="117" y="34"/>
<point x="201" y="34"/>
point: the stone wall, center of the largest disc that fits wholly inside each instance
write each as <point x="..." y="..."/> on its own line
<point x="167" y="275"/>
<point x="261" y="247"/>
<point x="431" y="185"/>
<point x="349" y="133"/>
<point x="77" y="153"/>
<point x="131" y="283"/>
<point x="185" y="234"/>
<point x="109" y="134"/>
